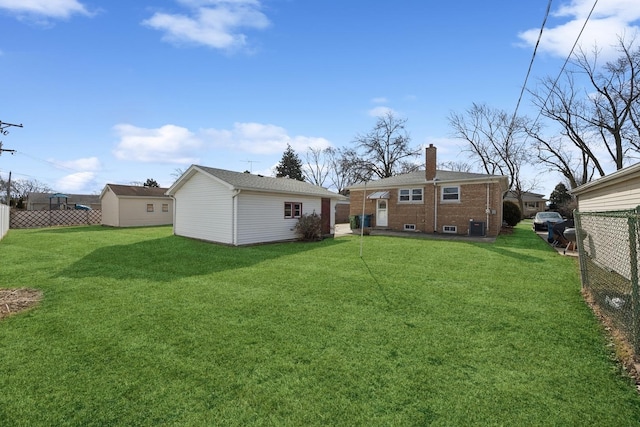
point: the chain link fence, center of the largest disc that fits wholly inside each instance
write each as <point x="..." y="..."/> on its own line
<point x="609" y="245"/>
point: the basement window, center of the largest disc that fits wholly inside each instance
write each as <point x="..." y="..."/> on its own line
<point x="410" y="227"/>
<point x="450" y="229"/>
<point x="292" y="210"/>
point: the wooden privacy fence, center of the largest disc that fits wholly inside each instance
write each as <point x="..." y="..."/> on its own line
<point x="36" y="219"/>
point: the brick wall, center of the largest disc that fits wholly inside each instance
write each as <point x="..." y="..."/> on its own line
<point x="472" y="206"/>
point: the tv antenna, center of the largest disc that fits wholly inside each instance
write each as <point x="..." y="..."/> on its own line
<point x="251" y="162"/>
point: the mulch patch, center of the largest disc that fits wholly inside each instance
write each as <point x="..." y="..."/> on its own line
<point x="14" y="301"/>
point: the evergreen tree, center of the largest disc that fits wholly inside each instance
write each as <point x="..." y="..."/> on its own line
<point x="560" y="196"/>
<point x="151" y="183"/>
<point x="290" y="166"/>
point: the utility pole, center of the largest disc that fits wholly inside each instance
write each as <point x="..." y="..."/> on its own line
<point x="4" y="131"/>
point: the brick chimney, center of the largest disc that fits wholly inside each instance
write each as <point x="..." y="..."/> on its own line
<point x="430" y="163"/>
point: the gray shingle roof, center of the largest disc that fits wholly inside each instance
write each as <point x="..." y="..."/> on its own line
<point x="82" y="199"/>
<point x="418" y="177"/>
<point x="137" y="191"/>
<point x="247" y="181"/>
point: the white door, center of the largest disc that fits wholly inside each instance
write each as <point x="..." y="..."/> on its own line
<point x="381" y="213"/>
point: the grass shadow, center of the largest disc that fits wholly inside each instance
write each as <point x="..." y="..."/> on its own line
<point x="173" y="257"/>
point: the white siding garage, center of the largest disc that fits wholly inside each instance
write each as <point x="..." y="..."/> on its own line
<point x="240" y="208"/>
<point x="618" y="191"/>
<point x="206" y="218"/>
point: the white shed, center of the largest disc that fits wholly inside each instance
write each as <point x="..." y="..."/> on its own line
<point x="617" y="191"/>
<point x="134" y="206"/>
<point x="236" y="208"/>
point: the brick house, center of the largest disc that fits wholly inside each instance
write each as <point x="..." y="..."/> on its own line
<point x="533" y="202"/>
<point x="433" y="201"/>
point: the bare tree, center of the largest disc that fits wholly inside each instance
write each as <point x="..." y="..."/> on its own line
<point x="456" y="166"/>
<point x="22" y="187"/>
<point x="177" y="173"/>
<point x="340" y="175"/>
<point x="317" y="167"/>
<point x="382" y="152"/>
<point x="496" y="141"/>
<point x="604" y="116"/>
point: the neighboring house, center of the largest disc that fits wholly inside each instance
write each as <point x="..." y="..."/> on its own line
<point x="533" y="202"/>
<point x="50" y="201"/>
<point x="342" y="211"/>
<point x="617" y="191"/>
<point x="433" y="201"/>
<point x="134" y="206"/>
<point x="236" y="208"/>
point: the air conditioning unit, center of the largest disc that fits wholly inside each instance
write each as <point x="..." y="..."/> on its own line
<point x="477" y="228"/>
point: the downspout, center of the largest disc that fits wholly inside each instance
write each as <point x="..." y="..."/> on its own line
<point x="234" y="219"/>
<point x="488" y="210"/>
<point x="173" y="220"/>
<point x="435" y="206"/>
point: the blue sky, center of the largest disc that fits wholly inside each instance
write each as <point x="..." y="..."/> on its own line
<point x="121" y="91"/>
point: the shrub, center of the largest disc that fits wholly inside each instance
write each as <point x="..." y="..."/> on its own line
<point x="511" y="213"/>
<point x="309" y="227"/>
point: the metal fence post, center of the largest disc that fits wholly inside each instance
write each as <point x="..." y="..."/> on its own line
<point x="580" y="247"/>
<point x="635" y="294"/>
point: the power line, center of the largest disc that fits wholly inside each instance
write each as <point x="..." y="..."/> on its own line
<point x="535" y="51"/>
<point x="566" y="61"/>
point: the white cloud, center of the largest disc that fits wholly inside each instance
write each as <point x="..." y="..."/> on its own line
<point x="213" y="23"/>
<point x="76" y="182"/>
<point x="86" y="164"/>
<point x="167" y="144"/>
<point x="61" y="9"/>
<point x="381" y="111"/>
<point x="610" y="20"/>
<point x="380" y="100"/>
<point x="258" y="138"/>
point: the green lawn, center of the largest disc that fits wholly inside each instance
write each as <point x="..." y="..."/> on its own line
<point x="139" y="327"/>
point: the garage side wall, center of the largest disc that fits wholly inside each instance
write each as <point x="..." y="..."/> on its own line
<point x="261" y="216"/>
<point x="620" y="196"/>
<point x="145" y="211"/>
<point x="110" y="209"/>
<point x="203" y="210"/>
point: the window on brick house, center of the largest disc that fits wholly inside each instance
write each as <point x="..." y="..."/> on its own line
<point x="450" y="194"/>
<point x="410" y="195"/>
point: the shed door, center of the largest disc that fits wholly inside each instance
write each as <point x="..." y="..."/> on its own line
<point x="325" y="215"/>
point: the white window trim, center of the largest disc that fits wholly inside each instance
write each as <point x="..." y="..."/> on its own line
<point x="443" y="200"/>
<point x="411" y="190"/>
<point x="293" y="206"/>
